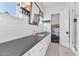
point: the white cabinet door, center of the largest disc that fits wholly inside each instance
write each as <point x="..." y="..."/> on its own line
<point x="64" y="27"/>
<point x="40" y="48"/>
<point x="35" y="51"/>
<point x="44" y="45"/>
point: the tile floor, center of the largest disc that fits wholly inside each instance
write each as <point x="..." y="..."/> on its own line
<point x="55" y="49"/>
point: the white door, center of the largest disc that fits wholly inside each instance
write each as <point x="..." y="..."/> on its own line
<point x="64" y="27"/>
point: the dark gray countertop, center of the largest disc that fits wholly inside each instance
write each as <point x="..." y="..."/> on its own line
<point x="19" y="46"/>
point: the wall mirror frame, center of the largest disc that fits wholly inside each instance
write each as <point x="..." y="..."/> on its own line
<point x="35" y="14"/>
<point x="32" y="10"/>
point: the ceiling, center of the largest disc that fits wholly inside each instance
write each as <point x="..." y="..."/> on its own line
<point x="52" y="5"/>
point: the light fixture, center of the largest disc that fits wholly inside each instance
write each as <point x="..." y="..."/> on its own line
<point x="26" y="5"/>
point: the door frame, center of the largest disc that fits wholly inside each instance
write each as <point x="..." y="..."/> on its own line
<point x="69" y="39"/>
<point x="59" y="22"/>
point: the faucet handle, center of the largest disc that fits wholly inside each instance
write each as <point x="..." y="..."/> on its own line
<point x="34" y="33"/>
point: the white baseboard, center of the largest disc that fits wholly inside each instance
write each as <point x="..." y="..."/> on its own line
<point x="76" y="53"/>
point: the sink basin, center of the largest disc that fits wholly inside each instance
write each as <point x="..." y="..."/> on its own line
<point x="40" y="35"/>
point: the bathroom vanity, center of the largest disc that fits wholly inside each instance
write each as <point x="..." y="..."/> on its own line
<point x="26" y="46"/>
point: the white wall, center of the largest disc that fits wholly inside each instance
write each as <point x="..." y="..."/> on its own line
<point x="77" y="28"/>
<point x="74" y="12"/>
<point x="57" y="8"/>
<point x="71" y="20"/>
<point x="72" y="16"/>
<point x="53" y="8"/>
<point x="13" y="27"/>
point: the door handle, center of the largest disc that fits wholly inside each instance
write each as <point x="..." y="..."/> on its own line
<point x="67" y="32"/>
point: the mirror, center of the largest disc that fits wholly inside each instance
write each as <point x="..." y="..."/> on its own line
<point x="35" y="14"/>
<point x="26" y="8"/>
<point x="32" y="10"/>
